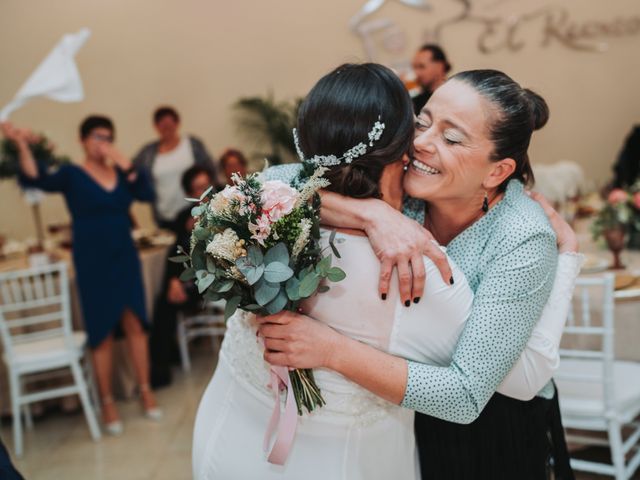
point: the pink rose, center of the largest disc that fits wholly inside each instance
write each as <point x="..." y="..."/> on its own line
<point x="636" y="200"/>
<point x="617" y="196"/>
<point x="278" y="199"/>
<point x="261" y="229"/>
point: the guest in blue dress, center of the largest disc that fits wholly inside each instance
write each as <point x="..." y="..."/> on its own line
<point x="98" y="194"/>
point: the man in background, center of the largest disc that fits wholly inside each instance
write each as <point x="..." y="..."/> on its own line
<point x="431" y="66"/>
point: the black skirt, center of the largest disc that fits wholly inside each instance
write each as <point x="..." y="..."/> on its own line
<point x="510" y="440"/>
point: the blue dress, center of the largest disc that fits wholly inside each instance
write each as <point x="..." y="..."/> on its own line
<point x="106" y="261"/>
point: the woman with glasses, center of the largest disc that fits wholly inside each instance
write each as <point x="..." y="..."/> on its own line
<point x="98" y="193"/>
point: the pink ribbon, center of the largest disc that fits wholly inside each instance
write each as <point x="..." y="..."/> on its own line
<point x="287" y="425"/>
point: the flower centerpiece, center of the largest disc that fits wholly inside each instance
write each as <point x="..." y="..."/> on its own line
<point x="619" y="216"/>
<point x="256" y="245"/>
<point x="43" y="152"/>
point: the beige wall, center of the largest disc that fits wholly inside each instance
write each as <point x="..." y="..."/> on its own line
<point x="202" y="55"/>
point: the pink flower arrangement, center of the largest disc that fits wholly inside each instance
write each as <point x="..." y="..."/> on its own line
<point x="636" y="200"/>
<point x="616" y="196"/>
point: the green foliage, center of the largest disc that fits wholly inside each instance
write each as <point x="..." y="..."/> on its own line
<point x="271" y="122"/>
<point x="42" y="151"/>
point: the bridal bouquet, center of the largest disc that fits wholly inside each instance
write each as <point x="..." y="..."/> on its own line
<point x="256" y="245"/>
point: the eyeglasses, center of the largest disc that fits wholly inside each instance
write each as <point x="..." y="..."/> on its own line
<point x="102" y="138"/>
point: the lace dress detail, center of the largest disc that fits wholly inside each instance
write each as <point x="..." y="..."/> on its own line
<point x="346" y="401"/>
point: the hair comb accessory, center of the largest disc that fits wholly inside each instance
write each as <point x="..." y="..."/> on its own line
<point x="347" y="157"/>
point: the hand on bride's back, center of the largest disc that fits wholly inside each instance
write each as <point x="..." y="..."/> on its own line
<point x="297" y="341"/>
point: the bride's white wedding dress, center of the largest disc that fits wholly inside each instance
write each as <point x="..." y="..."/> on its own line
<point x="356" y="435"/>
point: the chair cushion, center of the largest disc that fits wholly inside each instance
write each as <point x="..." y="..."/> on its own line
<point x="580" y="398"/>
<point x="48" y="350"/>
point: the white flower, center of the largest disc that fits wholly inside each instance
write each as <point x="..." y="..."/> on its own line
<point x="224" y="245"/>
<point x="221" y="201"/>
<point x="315" y="183"/>
<point x="303" y="239"/>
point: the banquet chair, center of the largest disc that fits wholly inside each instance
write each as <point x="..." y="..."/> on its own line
<point x="208" y="322"/>
<point x="38" y="341"/>
<point x="598" y="393"/>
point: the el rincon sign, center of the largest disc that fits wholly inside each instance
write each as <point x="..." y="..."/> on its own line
<point x="497" y="32"/>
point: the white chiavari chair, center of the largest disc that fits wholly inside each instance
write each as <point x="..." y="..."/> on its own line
<point x="38" y="341"/>
<point x="598" y="393"/>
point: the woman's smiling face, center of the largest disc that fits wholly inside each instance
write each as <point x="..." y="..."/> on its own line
<point x="452" y="147"/>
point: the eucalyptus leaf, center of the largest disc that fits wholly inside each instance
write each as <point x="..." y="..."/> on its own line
<point x="204" y="282"/>
<point x="201" y="233"/>
<point x="206" y="192"/>
<point x="309" y="284"/>
<point x="188" y="274"/>
<point x="179" y="259"/>
<point x="211" y="296"/>
<point x="293" y="288"/>
<point x="336" y="274"/>
<point x="252" y="307"/>
<point x="198" y="257"/>
<point x="277" y="253"/>
<point x="323" y="266"/>
<point x="255" y="255"/>
<point x="265" y="291"/>
<point x="277" y="304"/>
<point x="253" y="274"/>
<point x="231" y="306"/>
<point x="211" y="265"/>
<point x="333" y="245"/>
<point x="323" y="288"/>
<point x="198" y="210"/>
<point x="277" y="272"/>
<point x="224" y="286"/>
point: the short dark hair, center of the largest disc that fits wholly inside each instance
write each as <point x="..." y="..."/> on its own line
<point x="339" y="112"/>
<point x="437" y="54"/>
<point x="232" y="152"/>
<point x="165" y="111"/>
<point x="190" y="174"/>
<point x="92" y="122"/>
<point x="518" y="112"/>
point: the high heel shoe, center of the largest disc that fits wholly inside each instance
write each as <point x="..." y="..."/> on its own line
<point x="153" y="413"/>
<point x="115" y="427"/>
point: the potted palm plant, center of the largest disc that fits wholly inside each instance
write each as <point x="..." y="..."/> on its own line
<point x="267" y="121"/>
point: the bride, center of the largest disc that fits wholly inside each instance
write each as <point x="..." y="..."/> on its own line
<point x="357" y="435"/>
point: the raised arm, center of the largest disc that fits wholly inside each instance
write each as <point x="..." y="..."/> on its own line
<point x="28" y="165"/>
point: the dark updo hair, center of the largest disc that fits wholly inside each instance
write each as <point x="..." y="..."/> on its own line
<point x="339" y="112"/>
<point x="165" y="111"/>
<point x="517" y="113"/>
<point x="92" y="122"/>
<point x="437" y="55"/>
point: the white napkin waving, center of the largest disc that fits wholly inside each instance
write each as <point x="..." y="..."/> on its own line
<point x="57" y="77"/>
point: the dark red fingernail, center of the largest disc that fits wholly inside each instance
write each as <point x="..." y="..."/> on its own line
<point x="407" y="303"/>
<point x="416" y="300"/>
<point x="384" y="296"/>
<point x="451" y="282"/>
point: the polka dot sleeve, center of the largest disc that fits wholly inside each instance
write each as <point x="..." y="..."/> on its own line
<point x="511" y="294"/>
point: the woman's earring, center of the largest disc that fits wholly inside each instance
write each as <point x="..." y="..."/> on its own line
<point x="406" y="167"/>
<point x="485" y="203"/>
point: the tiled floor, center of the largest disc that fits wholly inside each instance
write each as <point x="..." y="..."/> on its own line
<point x="59" y="447"/>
